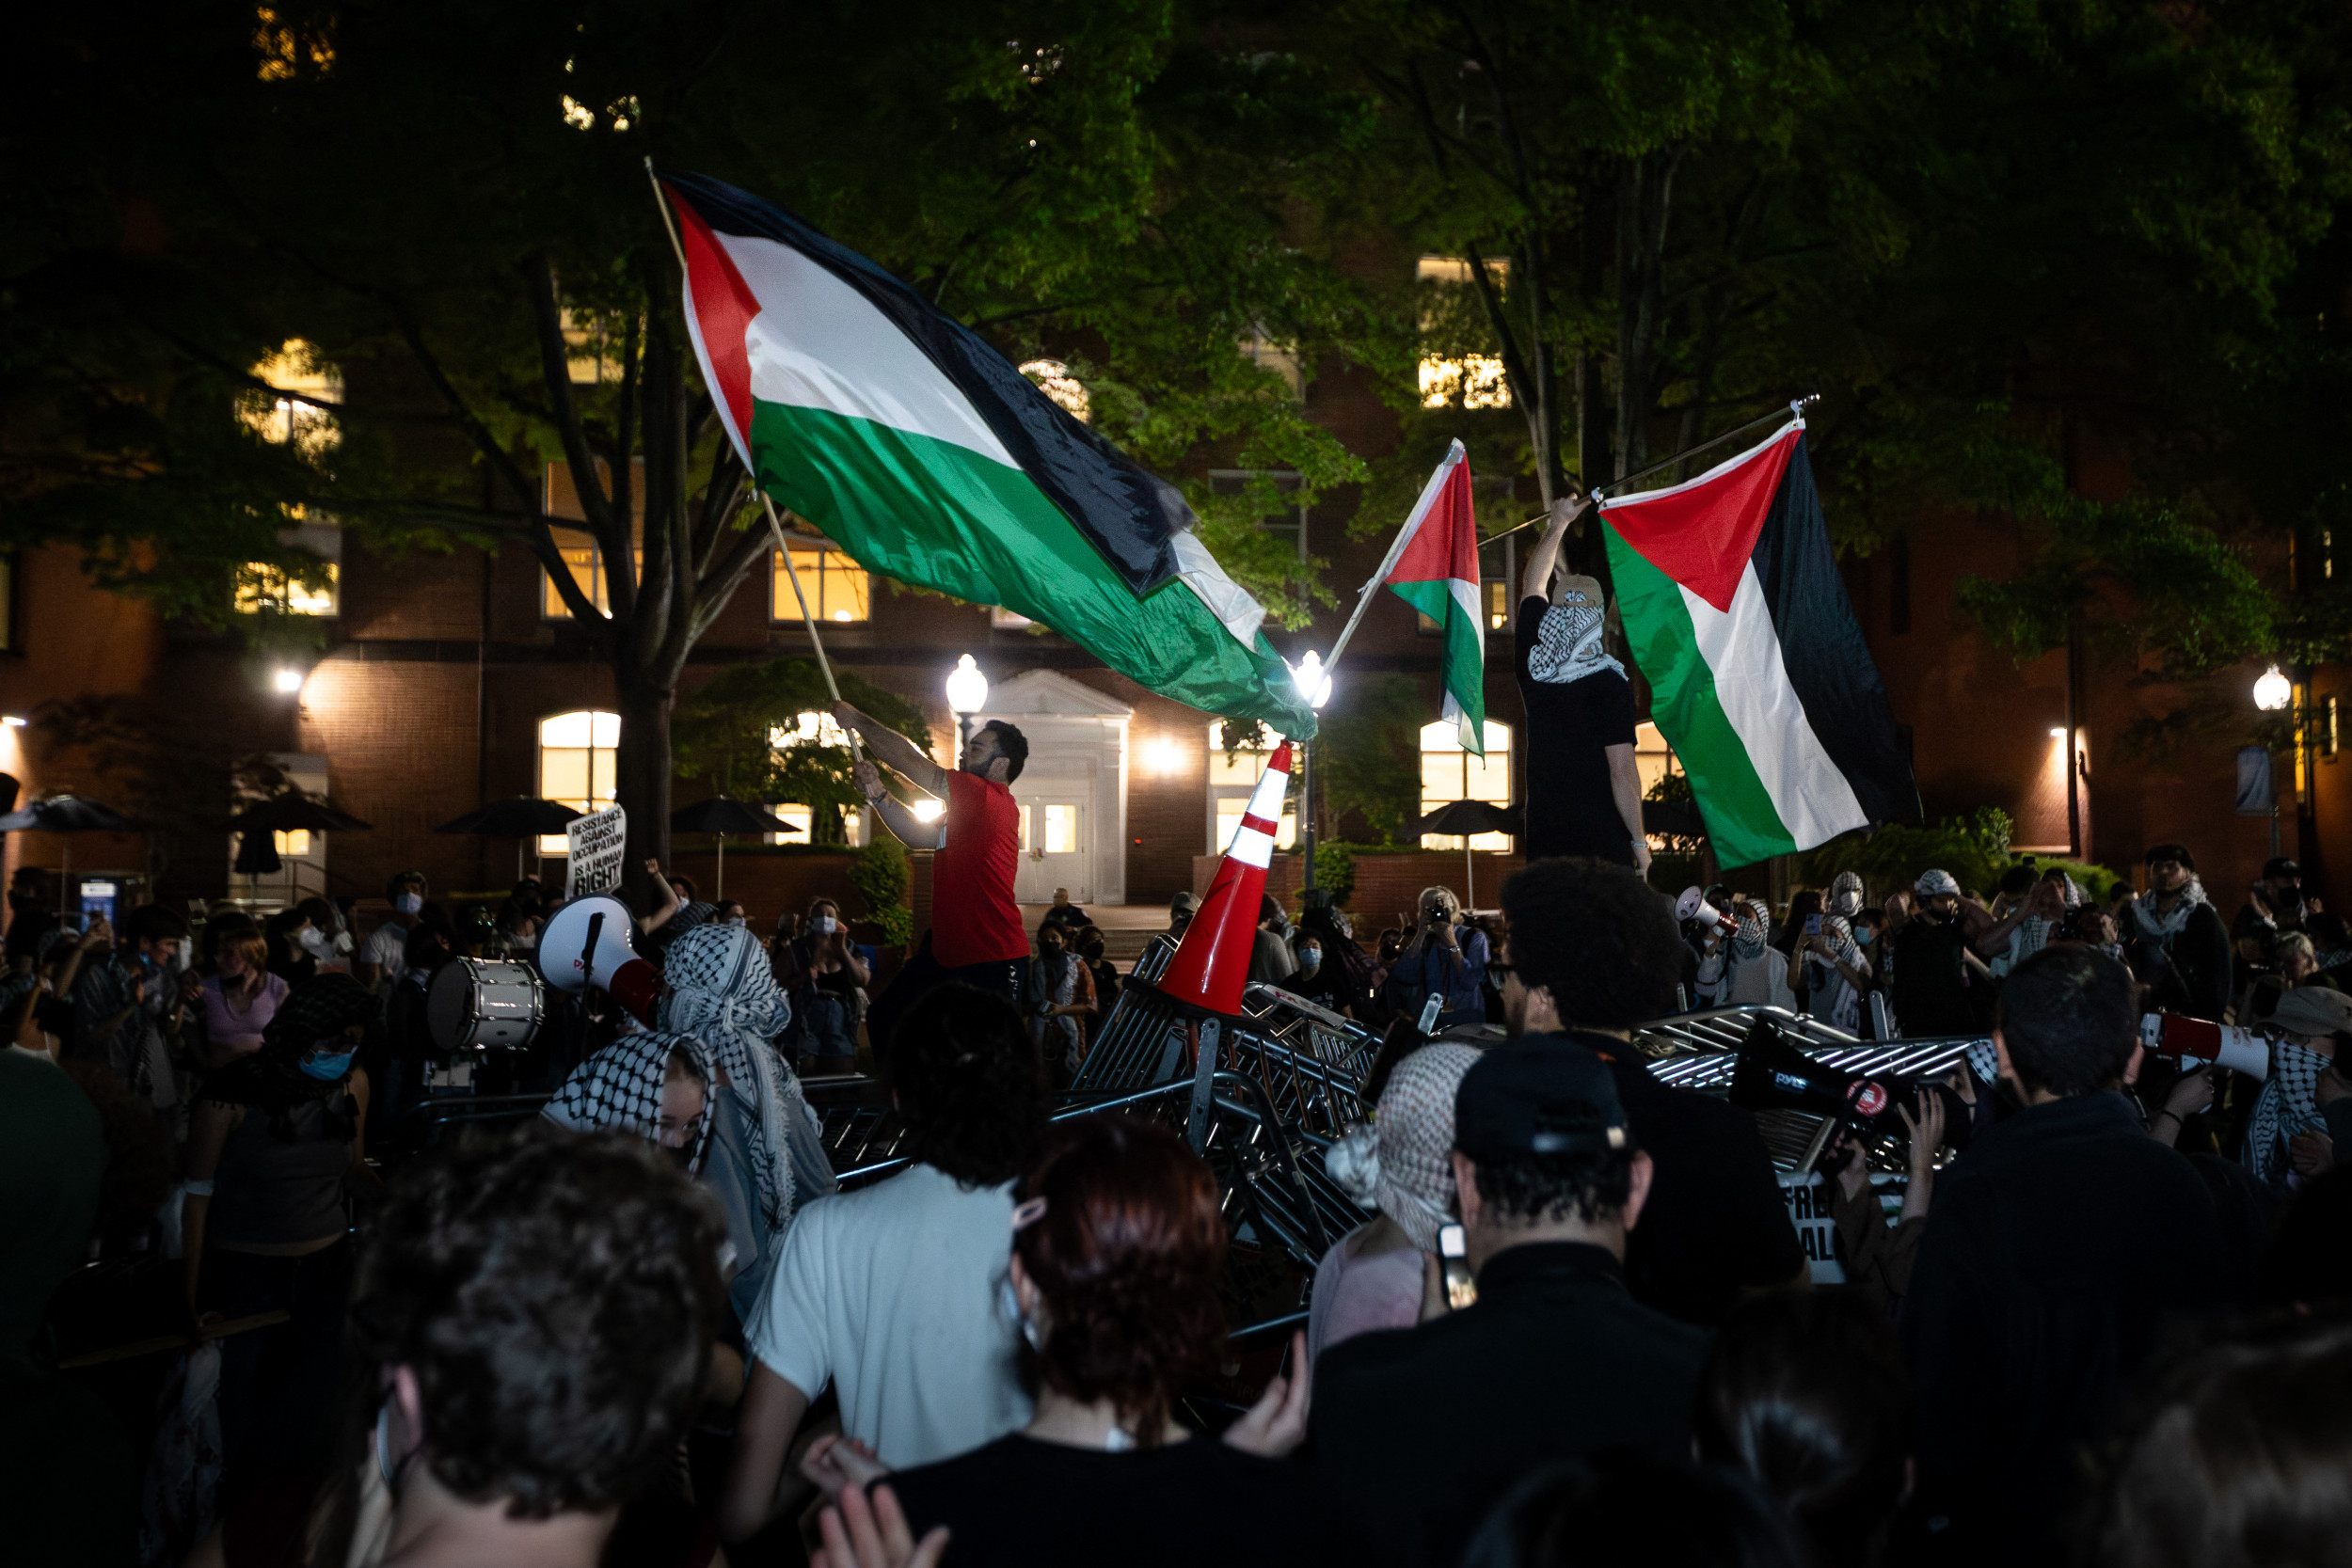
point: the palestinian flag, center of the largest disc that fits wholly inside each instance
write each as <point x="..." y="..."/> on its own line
<point x="1758" y="675"/>
<point x="924" y="454"/>
<point x="1436" y="571"/>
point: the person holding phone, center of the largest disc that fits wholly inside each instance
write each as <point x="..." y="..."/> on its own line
<point x="824" y="977"/>
<point x="1554" y="1359"/>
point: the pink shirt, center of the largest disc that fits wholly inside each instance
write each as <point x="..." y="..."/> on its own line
<point x="1356" y="1294"/>
<point x="240" y="1027"/>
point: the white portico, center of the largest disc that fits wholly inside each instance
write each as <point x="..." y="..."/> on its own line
<point x="1073" y="791"/>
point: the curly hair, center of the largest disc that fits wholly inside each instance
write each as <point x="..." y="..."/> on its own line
<point x="1599" y="937"/>
<point x="1126" y="1256"/>
<point x="969" y="1083"/>
<point x="555" y="1295"/>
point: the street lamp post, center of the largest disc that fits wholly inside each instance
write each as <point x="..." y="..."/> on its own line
<point x="2273" y="691"/>
<point x="967" y="693"/>
<point x="1314" y="685"/>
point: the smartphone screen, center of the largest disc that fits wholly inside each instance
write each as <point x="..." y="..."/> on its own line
<point x="1813" y="925"/>
<point x="1461" y="1285"/>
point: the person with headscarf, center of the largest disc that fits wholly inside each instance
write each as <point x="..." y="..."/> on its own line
<point x="1057" y="996"/>
<point x="2307" y="1027"/>
<point x="1583" y="791"/>
<point x="1836" y="973"/>
<point x="274" y="1135"/>
<point x="2179" y="944"/>
<point x="766" y="1157"/>
<point x="1402" y="1165"/>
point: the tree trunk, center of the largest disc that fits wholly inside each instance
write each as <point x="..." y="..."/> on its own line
<point x="641" y="778"/>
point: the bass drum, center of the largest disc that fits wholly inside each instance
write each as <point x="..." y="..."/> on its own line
<point x="474" y="1003"/>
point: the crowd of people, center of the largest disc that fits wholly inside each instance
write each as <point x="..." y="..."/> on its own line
<point x="2099" y="1316"/>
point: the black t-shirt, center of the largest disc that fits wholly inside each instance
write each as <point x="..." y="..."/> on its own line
<point x="1018" y="1501"/>
<point x="1931" y="993"/>
<point x="1571" y="809"/>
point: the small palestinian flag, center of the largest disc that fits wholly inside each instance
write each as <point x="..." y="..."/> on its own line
<point x="1758" y="675"/>
<point x="1437" y="573"/>
<point x="924" y="453"/>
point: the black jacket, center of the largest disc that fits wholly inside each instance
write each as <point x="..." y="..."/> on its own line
<point x="2058" y="1250"/>
<point x="2193" y="971"/>
<point x="1420" y="1429"/>
<point x="1716" y="1222"/>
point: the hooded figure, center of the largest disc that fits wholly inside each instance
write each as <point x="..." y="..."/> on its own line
<point x="768" y="1154"/>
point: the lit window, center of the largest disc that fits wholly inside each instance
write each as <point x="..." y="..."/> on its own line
<point x="295" y="841"/>
<point x="298" y="420"/>
<point x="1449" y="773"/>
<point x="801" y="816"/>
<point x="578" y="756"/>
<point x="262" y="588"/>
<point x="583" y="556"/>
<point x="838" y="590"/>
<point x="1288" y="525"/>
<point x="1477" y="380"/>
<point x="1653" y="759"/>
<point x="1283" y="362"/>
<point x="1053" y="379"/>
<point x="591" y="345"/>
<point x="586" y="564"/>
<point x="1230" y="780"/>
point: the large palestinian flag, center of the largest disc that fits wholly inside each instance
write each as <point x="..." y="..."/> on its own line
<point x="924" y="453"/>
<point x="1758" y="675"/>
<point x="1437" y="573"/>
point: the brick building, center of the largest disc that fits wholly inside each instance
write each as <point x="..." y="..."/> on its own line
<point x="435" y="681"/>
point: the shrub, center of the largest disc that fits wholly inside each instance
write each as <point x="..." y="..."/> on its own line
<point x="881" y="875"/>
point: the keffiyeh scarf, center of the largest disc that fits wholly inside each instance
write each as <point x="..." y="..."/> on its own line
<point x="2163" y="927"/>
<point x="724" y="991"/>
<point x="1567" y="647"/>
<point x="1844" y="1003"/>
<point x="619" y="1088"/>
<point x="1413" y="1182"/>
<point x="2288" y="1104"/>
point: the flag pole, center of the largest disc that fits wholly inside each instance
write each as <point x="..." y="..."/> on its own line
<point x="775" y="529"/>
<point x="1396" y="547"/>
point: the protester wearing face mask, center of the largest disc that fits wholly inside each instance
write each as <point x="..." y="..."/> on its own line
<point x="1090" y="951"/>
<point x="2179" y="949"/>
<point x="270" y="1145"/>
<point x="823" y="975"/>
<point x="1056" y="999"/>
<point x="1318" y="978"/>
<point x="384" y="959"/>
<point x="127" y="1006"/>
<point x="1938" y="985"/>
<point x="731" y="913"/>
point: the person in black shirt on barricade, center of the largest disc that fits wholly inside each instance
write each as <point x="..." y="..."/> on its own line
<point x="1422" y="1429"/>
<point x="1593" y="952"/>
<point x="1583" y="792"/>
<point x="2057" y="1251"/>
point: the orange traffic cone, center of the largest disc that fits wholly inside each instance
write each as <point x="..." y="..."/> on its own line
<point x="1212" y="962"/>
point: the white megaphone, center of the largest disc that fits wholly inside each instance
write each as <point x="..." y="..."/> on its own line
<point x="585" y="945"/>
<point x="1692" y="904"/>
<point x="2194" y="1043"/>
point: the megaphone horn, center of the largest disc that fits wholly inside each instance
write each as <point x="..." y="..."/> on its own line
<point x="1692" y="904"/>
<point x="586" y="945"/>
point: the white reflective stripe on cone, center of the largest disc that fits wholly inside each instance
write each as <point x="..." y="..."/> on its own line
<point x="1266" y="799"/>
<point x="1252" y="848"/>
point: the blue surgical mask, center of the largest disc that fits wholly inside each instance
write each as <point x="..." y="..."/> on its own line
<point x="1862" y="936"/>
<point x="1311" y="957"/>
<point x="327" y="1070"/>
<point x="409" y="903"/>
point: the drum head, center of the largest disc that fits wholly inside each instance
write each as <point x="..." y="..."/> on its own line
<point x="449" y="1003"/>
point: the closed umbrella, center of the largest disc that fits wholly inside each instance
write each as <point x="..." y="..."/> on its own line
<point x="289" y="810"/>
<point x="66" y="814"/>
<point x="1467" y="817"/>
<point x="720" y="815"/>
<point x="521" y="817"/>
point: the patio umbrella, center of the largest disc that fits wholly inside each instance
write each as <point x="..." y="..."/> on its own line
<point x="66" y="814"/>
<point x="520" y="817"/>
<point x="257" y="855"/>
<point x="295" y="812"/>
<point x="1467" y="817"/>
<point x="719" y="816"/>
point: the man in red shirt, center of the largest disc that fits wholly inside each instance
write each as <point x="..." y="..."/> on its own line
<point x="976" y="937"/>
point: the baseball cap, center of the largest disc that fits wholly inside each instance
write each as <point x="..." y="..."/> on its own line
<point x="2312" y="1010"/>
<point x="2171" y="852"/>
<point x="1932" y="884"/>
<point x="1550" y="1099"/>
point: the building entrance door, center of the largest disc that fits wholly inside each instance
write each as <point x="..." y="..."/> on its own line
<point x="1056" y="850"/>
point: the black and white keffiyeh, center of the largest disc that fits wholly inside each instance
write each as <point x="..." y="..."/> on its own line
<point x="2162" y="927"/>
<point x="724" y="991"/>
<point x="2288" y="1104"/>
<point x="1568" y="646"/>
<point x="619" y="1088"/>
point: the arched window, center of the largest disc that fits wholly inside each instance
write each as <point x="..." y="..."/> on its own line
<point x="1450" y="773"/>
<point x="578" y="753"/>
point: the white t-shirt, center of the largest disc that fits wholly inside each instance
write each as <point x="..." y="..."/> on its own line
<point x="389" y="947"/>
<point x="893" y="1293"/>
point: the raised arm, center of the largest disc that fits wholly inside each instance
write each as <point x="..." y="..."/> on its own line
<point x="1535" y="582"/>
<point x="911" y="830"/>
<point x="893" y="752"/>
